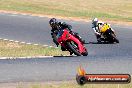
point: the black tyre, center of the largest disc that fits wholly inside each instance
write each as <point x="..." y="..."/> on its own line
<point x="85" y="53"/>
<point x="114" y="38"/>
<point x="73" y="48"/>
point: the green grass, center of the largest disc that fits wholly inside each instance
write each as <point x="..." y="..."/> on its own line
<point x="11" y="49"/>
<point x="104" y="9"/>
<point x="72" y="85"/>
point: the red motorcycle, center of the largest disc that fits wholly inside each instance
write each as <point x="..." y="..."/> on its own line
<point x="71" y="43"/>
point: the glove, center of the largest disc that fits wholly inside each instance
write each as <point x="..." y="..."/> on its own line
<point x="73" y="33"/>
<point x="70" y="27"/>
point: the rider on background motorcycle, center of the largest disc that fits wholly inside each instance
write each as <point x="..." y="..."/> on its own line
<point x="56" y="26"/>
<point x="96" y="26"/>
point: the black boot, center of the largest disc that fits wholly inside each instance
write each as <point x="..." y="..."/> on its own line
<point x="63" y="49"/>
<point x="71" y="53"/>
<point x="99" y="38"/>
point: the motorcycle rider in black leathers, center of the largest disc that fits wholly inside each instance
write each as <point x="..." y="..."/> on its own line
<point x="56" y="26"/>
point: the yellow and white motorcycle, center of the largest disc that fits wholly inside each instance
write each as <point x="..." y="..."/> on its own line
<point x="108" y="34"/>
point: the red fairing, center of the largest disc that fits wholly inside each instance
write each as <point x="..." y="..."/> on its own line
<point x="66" y="36"/>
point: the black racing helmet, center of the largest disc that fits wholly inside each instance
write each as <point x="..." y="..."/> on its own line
<point x="53" y="22"/>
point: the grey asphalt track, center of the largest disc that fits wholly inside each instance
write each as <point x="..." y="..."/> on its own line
<point x="102" y="58"/>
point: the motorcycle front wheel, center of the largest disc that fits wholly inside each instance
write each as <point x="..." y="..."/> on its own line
<point x="74" y="48"/>
<point x="85" y="53"/>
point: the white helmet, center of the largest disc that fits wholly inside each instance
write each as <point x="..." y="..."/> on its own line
<point x="95" y="21"/>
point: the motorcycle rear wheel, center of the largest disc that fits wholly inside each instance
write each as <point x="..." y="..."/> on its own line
<point x="114" y="37"/>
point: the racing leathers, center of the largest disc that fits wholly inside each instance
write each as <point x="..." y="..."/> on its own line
<point x="96" y="29"/>
<point x="61" y="26"/>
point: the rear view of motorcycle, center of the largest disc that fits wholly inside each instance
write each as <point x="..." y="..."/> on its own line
<point x="108" y="34"/>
